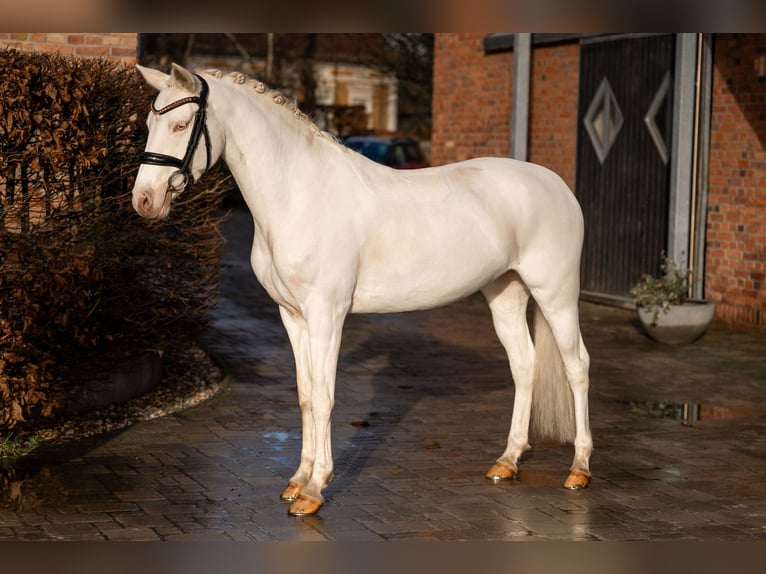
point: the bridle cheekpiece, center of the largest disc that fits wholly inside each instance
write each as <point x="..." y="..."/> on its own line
<point x="198" y="129"/>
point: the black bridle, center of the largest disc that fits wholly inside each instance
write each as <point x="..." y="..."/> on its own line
<point x="198" y="129"/>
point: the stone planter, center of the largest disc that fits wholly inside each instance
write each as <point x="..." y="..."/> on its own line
<point x="682" y="324"/>
<point x="128" y="380"/>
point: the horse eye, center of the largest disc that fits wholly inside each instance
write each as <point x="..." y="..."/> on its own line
<point x="180" y="126"/>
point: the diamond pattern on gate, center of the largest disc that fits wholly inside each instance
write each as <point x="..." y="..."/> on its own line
<point x="658" y="109"/>
<point x="603" y="120"/>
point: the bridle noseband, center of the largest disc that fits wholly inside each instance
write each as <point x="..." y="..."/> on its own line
<point x="198" y="129"/>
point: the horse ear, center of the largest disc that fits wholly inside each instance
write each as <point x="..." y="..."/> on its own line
<point x="183" y="78"/>
<point x="154" y="78"/>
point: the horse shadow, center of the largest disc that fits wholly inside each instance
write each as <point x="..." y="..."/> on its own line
<point x="408" y="364"/>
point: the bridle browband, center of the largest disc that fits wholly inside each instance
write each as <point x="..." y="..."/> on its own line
<point x="198" y="129"/>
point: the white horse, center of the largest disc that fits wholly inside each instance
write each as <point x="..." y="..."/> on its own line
<point x="336" y="233"/>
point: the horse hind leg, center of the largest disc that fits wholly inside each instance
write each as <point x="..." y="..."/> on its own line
<point x="508" y="297"/>
<point x="559" y="343"/>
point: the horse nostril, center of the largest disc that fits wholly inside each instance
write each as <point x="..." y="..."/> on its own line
<point x="143" y="203"/>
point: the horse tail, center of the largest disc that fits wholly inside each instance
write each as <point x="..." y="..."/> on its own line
<point x="552" y="399"/>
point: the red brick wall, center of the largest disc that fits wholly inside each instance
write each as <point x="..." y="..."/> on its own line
<point x="735" y="273"/>
<point x="472" y="100"/>
<point x="554" y="86"/>
<point x="119" y="46"/>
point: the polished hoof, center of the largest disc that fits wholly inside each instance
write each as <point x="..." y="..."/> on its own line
<point x="501" y="471"/>
<point x="291" y="492"/>
<point x="304" y="505"/>
<point x="577" y="479"/>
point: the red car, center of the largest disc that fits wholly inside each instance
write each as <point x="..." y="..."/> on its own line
<point x="399" y="153"/>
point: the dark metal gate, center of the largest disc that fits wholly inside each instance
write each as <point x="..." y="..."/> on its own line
<point x="623" y="163"/>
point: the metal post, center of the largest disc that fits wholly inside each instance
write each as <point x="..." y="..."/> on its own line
<point x="697" y="258"/>
<point x="679" y="224"/>
<point x="522" y="56"/>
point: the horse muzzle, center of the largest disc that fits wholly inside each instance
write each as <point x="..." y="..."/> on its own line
<point x="143" y="203"/>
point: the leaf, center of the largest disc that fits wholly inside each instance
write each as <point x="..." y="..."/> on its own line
<point x="17" y="412"/>
<point x="50" y="91"/>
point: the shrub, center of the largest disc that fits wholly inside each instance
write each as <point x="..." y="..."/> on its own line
<point x="84" y="281"/>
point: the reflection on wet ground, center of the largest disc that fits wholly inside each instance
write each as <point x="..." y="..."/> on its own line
<point x="24" y="486"/>
<point x="689" y="413"/>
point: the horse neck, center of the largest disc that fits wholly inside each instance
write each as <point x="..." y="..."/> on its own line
<point x="267" y="149"/>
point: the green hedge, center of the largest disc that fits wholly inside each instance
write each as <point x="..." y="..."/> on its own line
<point x="84" y="281"/>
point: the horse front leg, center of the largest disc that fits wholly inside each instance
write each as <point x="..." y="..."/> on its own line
<point x="297" y="332"/>
<point x="324" y="331"/>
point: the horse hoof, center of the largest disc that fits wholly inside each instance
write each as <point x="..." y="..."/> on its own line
<point x="577" y="479"/>
<point x="501" y="471"/>
<point x="291" y="492"/>
<point x="305" y="505"/>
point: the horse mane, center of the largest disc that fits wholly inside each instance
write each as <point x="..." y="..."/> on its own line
<point x="258" y="87"/>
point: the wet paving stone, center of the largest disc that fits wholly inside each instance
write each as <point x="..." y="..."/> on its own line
<point x="423" y="407"/>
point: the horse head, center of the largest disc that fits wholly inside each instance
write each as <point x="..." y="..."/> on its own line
<point x="174" y="156"/>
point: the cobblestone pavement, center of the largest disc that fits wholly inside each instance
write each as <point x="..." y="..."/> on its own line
<point x="423" y="408"/>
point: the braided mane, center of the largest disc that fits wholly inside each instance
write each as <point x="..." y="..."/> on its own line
<point x="238" y="78"/>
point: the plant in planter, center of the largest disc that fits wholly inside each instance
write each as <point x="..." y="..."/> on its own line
<point x="664" y="308"/>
